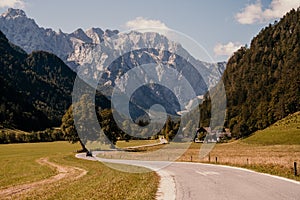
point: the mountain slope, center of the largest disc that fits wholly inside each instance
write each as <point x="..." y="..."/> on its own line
<point x="284" y="131"/>
<point x="35" y="89"/>
<point x="263" y="82"/>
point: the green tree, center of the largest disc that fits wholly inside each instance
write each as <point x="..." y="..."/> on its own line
<point x="69" y="130"/>
<point x="109" y="126"/>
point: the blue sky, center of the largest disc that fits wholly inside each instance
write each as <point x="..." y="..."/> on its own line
<point x="219" y="26"/>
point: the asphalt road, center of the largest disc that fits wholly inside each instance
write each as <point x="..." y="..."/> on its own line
<point x="182" y="180"/>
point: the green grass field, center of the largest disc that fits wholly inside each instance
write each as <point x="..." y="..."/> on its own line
<point x="285" y="131"/>
<point x="18" y="166"/>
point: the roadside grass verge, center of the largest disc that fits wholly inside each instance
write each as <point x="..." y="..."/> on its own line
<point x="18" y="166"/>
<point x="133" y="143"/>
<point x="272" y="159"/>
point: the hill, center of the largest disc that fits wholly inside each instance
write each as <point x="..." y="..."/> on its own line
<point x="262" y="82"/>
<point x="35" y="89"/>
<point x="284" y="131"/>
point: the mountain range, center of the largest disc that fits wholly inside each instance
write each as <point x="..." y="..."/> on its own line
<point x="107" y="55"/>
<point x="74" y="48"/>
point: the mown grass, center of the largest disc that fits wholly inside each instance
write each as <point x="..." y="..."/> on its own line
<point x="285" y="131"/>
<point x="18" y="166"/>
<point x="17" y="161"/>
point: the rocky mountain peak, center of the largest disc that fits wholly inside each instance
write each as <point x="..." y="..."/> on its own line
<point x="110" y="33"/>
<point x="96" y="30"/>
<point x="96" y="34"/>
<point x="80" y="34"/>
<point x="14" y="13"/>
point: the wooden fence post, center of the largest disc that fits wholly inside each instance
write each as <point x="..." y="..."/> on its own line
<point x="295" y="169"/>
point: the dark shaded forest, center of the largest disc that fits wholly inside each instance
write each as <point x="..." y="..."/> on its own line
<point x="35" y="89"/>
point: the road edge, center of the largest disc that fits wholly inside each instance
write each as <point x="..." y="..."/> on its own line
<point x="247" y="170"/>
<point x="166" y="189"/>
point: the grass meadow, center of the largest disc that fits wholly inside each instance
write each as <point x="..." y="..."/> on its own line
<point x="18" y="166"/>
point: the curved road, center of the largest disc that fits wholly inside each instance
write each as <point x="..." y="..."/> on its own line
<point x="182" y="180"/>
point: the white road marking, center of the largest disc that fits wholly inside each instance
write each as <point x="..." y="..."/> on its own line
<point x="205" y="173"/>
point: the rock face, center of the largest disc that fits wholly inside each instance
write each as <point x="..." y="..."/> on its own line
<point x="25" y="33"/>
<point x="107" y="55"/>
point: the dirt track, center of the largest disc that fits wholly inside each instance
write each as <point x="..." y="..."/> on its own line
<point x="64" y="172"/>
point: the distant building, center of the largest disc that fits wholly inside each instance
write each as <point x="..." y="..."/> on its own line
<point x="206" y="135"/>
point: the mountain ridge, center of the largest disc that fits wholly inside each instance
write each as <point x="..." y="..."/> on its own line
<point x="25" y="33"/>
<point x="108" y="55"/>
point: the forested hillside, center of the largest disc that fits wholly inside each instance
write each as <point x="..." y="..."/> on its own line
<point x="263" y="82"/>
<point x="35" y="89"/>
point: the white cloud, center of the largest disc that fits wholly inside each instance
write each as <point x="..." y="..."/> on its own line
<point x="250" y="14"/>
<point x="142" y="23"/>
<point x="226" y="49"/>
<point x="254" y="13"/>
<point x="12" y="4"/>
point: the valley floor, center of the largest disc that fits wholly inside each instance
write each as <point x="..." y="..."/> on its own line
<point x="59" y="175"/>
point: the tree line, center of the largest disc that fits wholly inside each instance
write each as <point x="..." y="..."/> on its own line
<point x="48" y="135"/>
